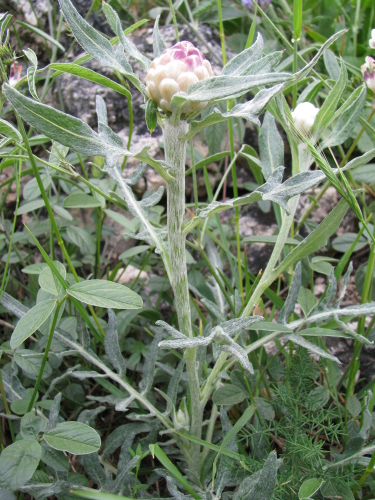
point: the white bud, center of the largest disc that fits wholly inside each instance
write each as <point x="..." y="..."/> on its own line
<point x="304" y="116"/>
<point x="372" y="39"/>
<point x="173" y="72"/>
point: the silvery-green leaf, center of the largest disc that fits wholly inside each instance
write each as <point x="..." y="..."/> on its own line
<point x="327" y="332"/>
<point x="185" y="343"/>
<point x="271" y="146"/>
<point x="234" y="326"/>
<point x="331" y="65"/>
<point x="329" y="105"/>
<point x="249" y="110"/>
<point x="174" y="384"/>
<point x="348" y="118"/>
<point x="237" y="352"/>
<point x="158" y="43"/>
<point x="219" y="88"/>
<point x="273" y="190"/>
<point x="88" y="417"/>
<point x="291" y="300"/>
<point x="82" y="332"/>
<point x="130" y="48"/>
<point x="330" y="292"/>
<point x="149" y="366"/>
<point x="213" y="309"/>
<point x="93" y="469"/>
<point x="54" y="458"/>
<point x="31" y="56"/>
<point x="95" y="44"/>
<point x="305" y="70"/>
<point x="172" y="331"/>
<point x="65" y="129"/>
<point x="31" y="74"/>
<point x="317" y="238"/>
<point x="345" y="285"/>
<point x="297" y="339"/>
<point x="34" y="318"/>
<point x="261" y="485"/>
<point x="10" y="130"/>
<point x="263" y="65"/>
<point x="158" y="165"/>
<point x="111" y="345"/>
<point x="18" y="462"/>
<point x="54" y="412"/>
<point x="124" y="404"/>
<point x="135" y="176"/>
<point x="240" y="62"/>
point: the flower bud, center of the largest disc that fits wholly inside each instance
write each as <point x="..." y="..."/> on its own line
<point x="181" y="419"/>
<point x="173" y="72"/>
<point x="368" y="72"/>
<point x="372" y="40"/>
<point x="304" y="116"/>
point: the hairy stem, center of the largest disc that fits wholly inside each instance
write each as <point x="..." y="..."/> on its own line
<point x="175" y="155"/>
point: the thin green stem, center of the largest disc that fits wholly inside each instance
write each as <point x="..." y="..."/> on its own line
<point x="46" y="352"/>
<point x="51" y="215"/>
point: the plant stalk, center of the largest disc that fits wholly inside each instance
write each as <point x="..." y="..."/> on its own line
<point x="175" y="155"/>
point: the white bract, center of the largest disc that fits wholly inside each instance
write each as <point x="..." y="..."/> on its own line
<point x="304" y="116"/>
<point x="368" y="72"/>
<point x="173" y="72"/>
<point x="372" y="39"/>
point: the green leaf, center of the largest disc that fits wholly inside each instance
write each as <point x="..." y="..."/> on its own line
<point x="10" y="130"/>
<point x="297" y="19"/>
<point x="20" y="406"/>
<point x="309" y="488"/>
<point x="172" y="469"/>
<point x="48" y="280"/>
<point x="41" y="33"/>
<point x="239" y="64"/>
<point x="151" y="115"/>
<point x="90" y="75"/>
<point x="129" y="47"/>
<point x="73" y="437"/>
<point x="32" y="320"/>
<point x="269" y="239"/>
<point x="219" y="88"/>
<point x="30" y="207"/>
<point x="97" y="495"/>
<point x="81" y="200"/>
<point x="82" y="239"/>
<point x="331" y="64"/>
<point x="348" y="116"/>
<point x="318" y="397"/>
<point x="343" y="243"/>
<point x="65" y="129"/>
<point x="228" y="395"/>
<point x="18" y="463"/>
<point x="105" y="294"/>
<point x="130" y="225"/>
<point x="158" y="43"/>
<point x="317" y="239"/>
<point x="328" y="108"/>
<point x="133" y="251"/>
<point x="271" y="146"/>
<point x="35" y="268"/>
<point x="353" y="406"/>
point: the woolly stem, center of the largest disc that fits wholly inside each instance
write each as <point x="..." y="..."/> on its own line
<point x="175" y="155"/>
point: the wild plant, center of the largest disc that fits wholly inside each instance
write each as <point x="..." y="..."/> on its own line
<point x="212" y="368"/>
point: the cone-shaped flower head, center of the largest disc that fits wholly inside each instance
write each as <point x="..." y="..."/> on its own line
<point x="304" y="116"/>
<point x="173" y="72"/>
<point x="372" y="40"/>
<point x="368" y="72"/>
